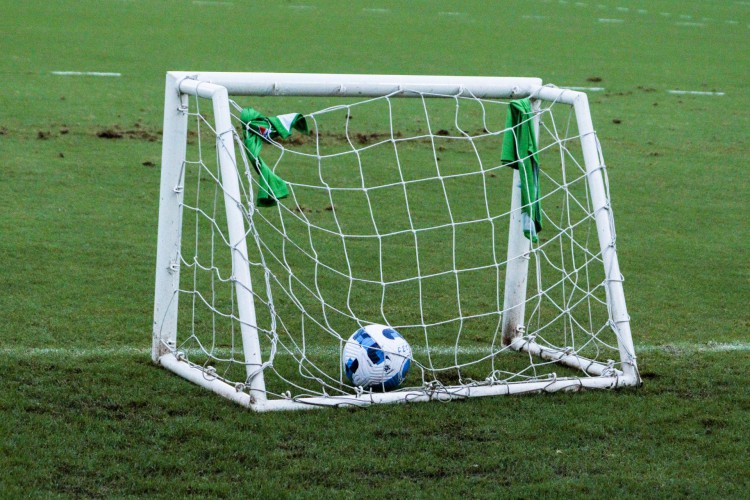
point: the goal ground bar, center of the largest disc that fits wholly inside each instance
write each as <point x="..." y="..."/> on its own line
<point x="444" y="393"/>
<point x="563" y="357"/>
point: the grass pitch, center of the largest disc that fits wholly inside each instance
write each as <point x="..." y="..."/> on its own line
<point x="84" y="413"/>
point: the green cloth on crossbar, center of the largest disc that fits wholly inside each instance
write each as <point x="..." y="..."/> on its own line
<point x="520" y="152"/>
<point x="258" y="128"/>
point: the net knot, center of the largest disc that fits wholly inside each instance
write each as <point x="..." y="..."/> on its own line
<point x="610" y="369"/>
<point x="432" y="387"/>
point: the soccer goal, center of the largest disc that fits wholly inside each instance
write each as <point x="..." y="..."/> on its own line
<point x="469" y="214"/>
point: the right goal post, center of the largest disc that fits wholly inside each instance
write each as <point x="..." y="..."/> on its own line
<point x="385" y="202"/>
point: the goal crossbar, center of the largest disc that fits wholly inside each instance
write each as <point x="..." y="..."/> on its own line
<point x="332" y="85"/>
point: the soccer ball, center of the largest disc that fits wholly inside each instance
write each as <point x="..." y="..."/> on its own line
<point x="376" y="357"/>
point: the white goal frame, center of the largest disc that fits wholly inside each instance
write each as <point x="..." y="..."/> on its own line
<point x="218" y="86"/>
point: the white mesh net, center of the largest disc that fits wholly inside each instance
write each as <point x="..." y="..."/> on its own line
<point x="398" y="214"/>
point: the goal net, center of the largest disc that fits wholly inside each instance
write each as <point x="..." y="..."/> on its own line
<point x="387" y="203"/>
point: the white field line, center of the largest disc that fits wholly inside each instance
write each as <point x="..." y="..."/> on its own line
<point x="212" y="2"/>
<point x="691" y="20"/>
<point x="73" y="353"/>
<point x="587" y="89"/>
<point x="611" y="21"/>
<point x="695" y="92"/>
<point x="376" y="10"/>
<point x="84" y="73"/>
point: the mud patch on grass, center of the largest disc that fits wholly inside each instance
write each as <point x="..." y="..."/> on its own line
<point x="116" y="132"/>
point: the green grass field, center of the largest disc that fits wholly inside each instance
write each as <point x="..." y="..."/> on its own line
<point x="84" y="412"/>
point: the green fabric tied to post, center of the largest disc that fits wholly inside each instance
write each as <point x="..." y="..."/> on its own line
<point x="520" y="152"/>
<point x="259" y="128"/>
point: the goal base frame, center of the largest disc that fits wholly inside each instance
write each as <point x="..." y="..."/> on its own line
<point x="181" y="367"/>
<point x="217" y="86"/>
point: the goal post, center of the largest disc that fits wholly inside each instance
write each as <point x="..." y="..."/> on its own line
<point x="399" y="212"/>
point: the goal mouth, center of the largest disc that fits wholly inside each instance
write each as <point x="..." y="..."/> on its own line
<point x="396" y="209"/>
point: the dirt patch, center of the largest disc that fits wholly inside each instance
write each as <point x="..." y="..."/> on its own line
<point x="115" y="132"/>
<point x="302" y="209"/>
<point x="109" y="134"/>
<point x="371" y="138"/>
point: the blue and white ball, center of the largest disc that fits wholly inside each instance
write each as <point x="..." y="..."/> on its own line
<point x="376" y="357"/>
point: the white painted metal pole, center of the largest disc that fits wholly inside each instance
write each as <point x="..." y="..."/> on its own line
<point x="312" y="84"/>
<point x="517" y="269"/>
<point x="202" y="379"/>
<point x="563" y="357"/>
<point x="605" y="229"/>
<point x="170" y="220"/>
<point x="447" y="393"/>
<point x="237" y="238"/>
